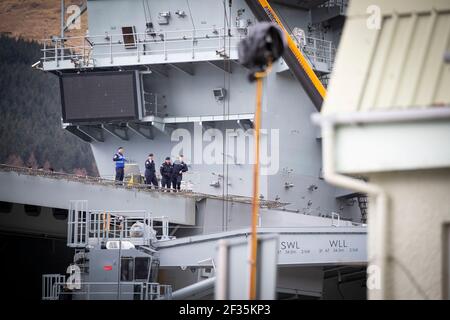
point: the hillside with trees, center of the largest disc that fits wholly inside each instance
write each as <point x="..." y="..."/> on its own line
<point x="36" y="19"/>
<point x="30" y="113"/>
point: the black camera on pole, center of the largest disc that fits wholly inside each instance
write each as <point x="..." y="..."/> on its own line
<point x="264" y="45"/>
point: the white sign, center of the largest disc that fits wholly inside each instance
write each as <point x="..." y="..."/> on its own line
<point x="322" y="248"/>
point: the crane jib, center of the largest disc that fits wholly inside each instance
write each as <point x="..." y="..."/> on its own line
<point x="293" y="57"/>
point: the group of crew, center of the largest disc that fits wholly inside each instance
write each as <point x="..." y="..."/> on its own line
<point x="171" y="173"/>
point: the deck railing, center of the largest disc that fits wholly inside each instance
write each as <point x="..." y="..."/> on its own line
<point x="86" y="226"/>
<point x="52" y="285"/>
<point x="83" y="51"/>
<point x="318" y="51"/>
<point x="54" y="288"/>
<point x="109" y="181"/>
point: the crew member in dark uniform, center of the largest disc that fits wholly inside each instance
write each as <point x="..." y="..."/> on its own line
<point x="177" y="174"/>
<point x="150" y="172"/>
<point x="166" y="174"/>
<point x="120" y="164"/>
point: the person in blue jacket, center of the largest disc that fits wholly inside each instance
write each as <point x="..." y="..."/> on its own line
<point x="120" y="160"/>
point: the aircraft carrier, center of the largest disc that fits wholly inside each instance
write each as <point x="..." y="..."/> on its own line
<point x="164" y="77"/>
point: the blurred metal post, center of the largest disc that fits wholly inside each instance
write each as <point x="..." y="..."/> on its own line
<point x="233" y="274"/>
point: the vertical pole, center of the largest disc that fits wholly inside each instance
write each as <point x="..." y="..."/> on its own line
<point x="98" y="231"/>
<point x="88" y="222"/>
<point x="315" y="50"/>
<point x="255" y="202"/>
<point x="84" y="50"/>
<point x="220" y="42"/>
<point x="75" y="224"/>
<point x="110" y="50"/>
<point x="119" y="261"/>
<point x="221" y="292"/>
<point x="62" y="18"/>
<point x="69" y="223"/>
<point x="164" y="42"/>
<point x="62" y="29"/>
<point x="56" y="53"/>
<point x="193" y="43"/>
<point x="135" y="36"/>
<point x="141" y="84"/>
<point x="166" y="228"/>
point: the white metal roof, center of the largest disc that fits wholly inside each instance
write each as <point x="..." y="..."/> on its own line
<point x="398" y="66"/>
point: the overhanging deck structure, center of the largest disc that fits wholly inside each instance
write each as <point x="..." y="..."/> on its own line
<point x="306" y="246"/>
<point x="56" y="190"/>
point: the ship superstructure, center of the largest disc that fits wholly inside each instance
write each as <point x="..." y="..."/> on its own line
<point x="183" y="91"/>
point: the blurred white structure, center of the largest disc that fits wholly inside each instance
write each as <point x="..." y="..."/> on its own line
<point x="387" y="118"/>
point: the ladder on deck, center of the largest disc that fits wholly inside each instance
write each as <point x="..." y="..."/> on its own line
<point x="78" y="224"/>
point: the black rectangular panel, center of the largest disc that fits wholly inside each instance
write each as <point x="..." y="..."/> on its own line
<point x="99" y="96"/>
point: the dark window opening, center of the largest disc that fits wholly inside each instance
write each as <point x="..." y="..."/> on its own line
<point x="32" y="211"/>
<point x="154" y="271"/>
<point x="141" y="268"/>
<point x="129" y="37"/>
<point x="126" y="269"/>
<point x="60" y="214"/>
<point x="5" y="207"/>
